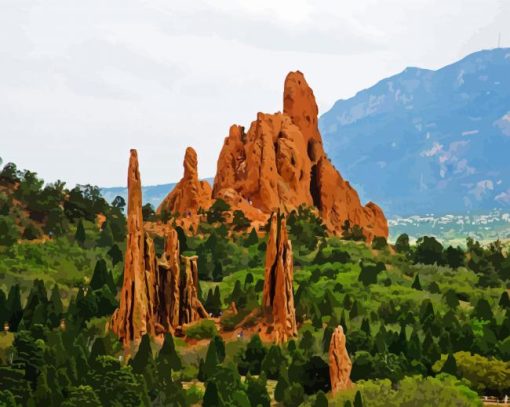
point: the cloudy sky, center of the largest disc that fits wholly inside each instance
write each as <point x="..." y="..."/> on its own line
<point x="82" y="82"/>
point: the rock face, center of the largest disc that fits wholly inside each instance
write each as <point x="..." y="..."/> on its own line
<point x="191" y="309"/>
<point x="339" y="362"/>
<point x="278" y="295"/>
<point x="190" y="194"/>
<point x="280" y="163"/>
<point x="154" y="299"/>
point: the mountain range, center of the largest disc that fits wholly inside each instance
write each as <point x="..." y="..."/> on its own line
<point x="427" y="141"/>
<point x="422" y="141"/>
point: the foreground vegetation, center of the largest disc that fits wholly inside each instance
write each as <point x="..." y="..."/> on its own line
<point x="425" y="324"/>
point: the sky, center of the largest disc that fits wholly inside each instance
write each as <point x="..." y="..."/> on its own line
<point x="82" y="82"/>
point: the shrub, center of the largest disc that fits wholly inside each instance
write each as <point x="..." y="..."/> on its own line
<point x="202" y="330"/>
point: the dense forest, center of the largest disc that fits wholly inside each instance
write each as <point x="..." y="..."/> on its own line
<point x="425" y="324"/>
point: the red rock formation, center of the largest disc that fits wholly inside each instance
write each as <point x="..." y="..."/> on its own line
<point x="153" y="298"/>
<point x="280" y="163"/>
<point x="134" y="317"/>
<point x="190" y="194"/>
<point x="169" y="270"/>
<point x="191" y="308"/>
<point x="339" y="362"/>
<point x="278" y="294"/>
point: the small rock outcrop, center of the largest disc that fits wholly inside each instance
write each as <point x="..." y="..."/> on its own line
<point x="190" y="194"/>
<point x="280" y="163"/>
<point x="340" y="364"/>
<point x="154" y="298"/>
<point x="278" y="294"/>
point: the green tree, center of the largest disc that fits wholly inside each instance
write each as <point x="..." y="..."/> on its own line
<point x="416" y="283"/>
<point x="273" y="362"/>
<point x="450" y="365"/>
<point x="402" y="243"/>
<point x="105" y="235"/>
<point x="379" y="243"/>
<point x="428" y="251"/>
<point x="240" y="221"/>
<point x="9" y="232"/>
<point x="257" y="391"/>
<point x="454" y="257"/>
<point x="211" y="362"/>
<point x="83" y="396"/>
<point x="115" y="255"/>
<point x="80" y="236"/>
<point x="252" y="238"/>
<point x="358" y="401"/>
<point x="14" y="308"/>
<point x="211" y="396"/>
<point x="483" y="310"/>
<point x="451" y="299"/>
<point x="217" y="210"/>
<point x="251" y="359"/>
<point x="321" y="400"/>
<point x="168" y="358"/>
<point x="55" y="307"/>
<point x="294" y="395"/>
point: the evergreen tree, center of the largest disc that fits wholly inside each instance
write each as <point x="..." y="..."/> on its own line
<point x="321" y="400"/>
<point x="211" y="396"/>
<point x="483" y="310"/>
<point x="450" y="365"/>
<point x="115" y="255"/>
<point x="83" y="396"/>
<point x="402" y="243"/>
<point x="101" y="276"/>
<point x="98" y="349"/>
<point x="220" y="348"/>
<point x="326" y="338"/>
<point x="416" y="283"/>
<point x="252" y="238"/>
<point x="218" y="271"/>
<point x="358" y="401"/>
<point x="168" y="356"/>
<point x="257" y="391"/>
<point x="105" y="236"/>
<point x="42" y="393"/>
<point x="55" y="307"/>
<point x="248" y="280"/>
<point x="504" y="300"/>
<point x="354" y="310"/>
<point x="210" y="363"/>
<point x="253" y="356"/>
<point x="143" y="356"/>
<point x="4" y="311"/>
<point x="282" y="385"/>
<point x="451" y="299"/>
<point x="365" y="326"/>
<point x="273" y="362"/>
<point x="80" y="236"/>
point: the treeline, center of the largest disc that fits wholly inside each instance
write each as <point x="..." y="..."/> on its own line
<point x="31" y="209"/>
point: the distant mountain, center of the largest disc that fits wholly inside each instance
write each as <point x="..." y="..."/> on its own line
<point x="428" y="141"/>
<point x="152" y="194"/>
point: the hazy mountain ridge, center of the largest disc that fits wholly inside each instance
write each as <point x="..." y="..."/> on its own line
<point x="428" y="141"/>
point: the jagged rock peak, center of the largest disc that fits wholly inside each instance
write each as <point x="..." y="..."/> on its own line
<point x="280" y="163"/>
<point x="190" y="194"/>
<point x="340" y="364"/>
<point x="278" y="294"/>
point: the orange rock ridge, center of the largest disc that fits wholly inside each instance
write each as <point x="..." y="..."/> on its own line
<point x="280" y="163"/>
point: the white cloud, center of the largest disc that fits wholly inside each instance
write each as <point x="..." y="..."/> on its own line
<point x="82" y="82"/>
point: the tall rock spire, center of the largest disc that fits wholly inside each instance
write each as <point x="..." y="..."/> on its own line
<point x="154" y="299"/>
<point x="340" y="364"/>
<point x="278" y="294"/>
<point x="134" y="316"/>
